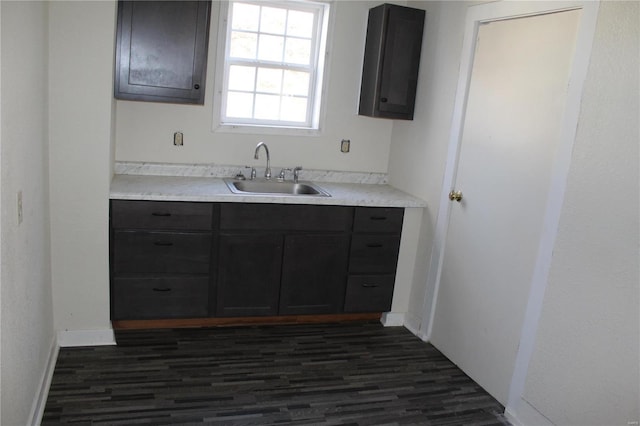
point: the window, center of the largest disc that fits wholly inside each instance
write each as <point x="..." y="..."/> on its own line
<point x="273" y="64"/>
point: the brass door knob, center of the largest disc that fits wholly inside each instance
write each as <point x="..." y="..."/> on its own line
<point x="455" y="196"/>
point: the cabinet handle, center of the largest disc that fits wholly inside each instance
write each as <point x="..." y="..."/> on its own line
<point x="378" y="218"/>
<point x="163" y="243"/>
<point x="164" y="289"/>
<point x="160" y="214"/>
<point x="383" y="100"/>
<point x="374" y="245"/>
<point x="196" y="86"/>
<point x="366" y="285"/>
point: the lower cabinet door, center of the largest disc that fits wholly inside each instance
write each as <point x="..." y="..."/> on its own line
<point x="153" y="298"/>
<point x="369" y="293"/>
<point x="248" y="278"/>
<point x="314" y="274"/>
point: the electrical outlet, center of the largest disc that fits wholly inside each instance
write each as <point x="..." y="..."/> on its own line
<point x="345" y="145"/>
<point x="177" y="139"/>
<point x="20" y="217"/>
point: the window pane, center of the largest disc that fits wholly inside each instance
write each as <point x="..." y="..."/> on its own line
<point x="298" y="51"/>
<point x="273" y="20"/>
<point x="245" y="16"/>
<point x="294" y="109"/>
<point x="243" y="45"/>
<point x="269" y="80"/>
<point x="239" y="105"/>
<point x="300" y="24"/>
<point x="295" y="83"/>
<point x="242" y="78"/>
<point x="267" y="107"/>
<point x="270" y="48"/>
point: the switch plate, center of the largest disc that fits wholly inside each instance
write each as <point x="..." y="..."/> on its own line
<point x="345" y="145"/>
<point x="177" y="139"/>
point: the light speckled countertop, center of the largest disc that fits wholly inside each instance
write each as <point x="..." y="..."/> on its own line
<point x="190" y="188"/>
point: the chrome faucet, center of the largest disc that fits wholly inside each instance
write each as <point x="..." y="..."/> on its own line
<point x="267" y="171"/>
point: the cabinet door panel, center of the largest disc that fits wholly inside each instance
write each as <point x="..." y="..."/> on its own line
<point x="248" y="275"/>
<point x="314" y="274"/>
<point x="160" y="297"/>
<point x="369" y="293"/>
<point x="161" y="252"/>
<point x="374" y="253"/>
<point x="378" y="219"/>
<point x="157" y="215"/>
<point x="285" y="217"/>
<point x="161" y="50"/>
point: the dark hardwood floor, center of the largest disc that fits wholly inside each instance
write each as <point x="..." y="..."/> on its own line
<point x="330" y="374"/>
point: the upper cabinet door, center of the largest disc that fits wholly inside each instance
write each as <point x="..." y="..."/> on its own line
<point x="391" y="61"/>
<point x="161" y="51"/>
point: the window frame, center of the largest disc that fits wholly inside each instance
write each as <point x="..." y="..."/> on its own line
<point x="317" y="84"/>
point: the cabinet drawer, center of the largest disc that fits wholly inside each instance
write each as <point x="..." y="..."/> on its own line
<point x="378" y="219"/>
<point x="161" y="252"/>
<point x="374" y="253"/>
<point x="369" y="293"/>
<point x="149" y="298"/>
<point x="161" y="215"/>
<point x="285" y="217"/>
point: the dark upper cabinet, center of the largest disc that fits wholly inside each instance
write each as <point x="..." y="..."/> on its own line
<point x="161" y="51"/>
<point x="391" y="61"/>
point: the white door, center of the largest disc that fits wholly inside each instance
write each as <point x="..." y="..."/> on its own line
<point x="510" y="136"/>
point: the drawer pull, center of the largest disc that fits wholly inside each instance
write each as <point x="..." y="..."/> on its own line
<point x="378" y="218"/>
<point x="375" y="245"/>
<point x="163" y="243"/>
<point x="160" y="214"/>
<point x="163" y="289"/>
<point x="367" y="285"/>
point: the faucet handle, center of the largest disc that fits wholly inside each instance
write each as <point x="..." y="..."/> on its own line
<point x="281" y="176"/>
<point x="253" y="172"/>
<point x="296" y="173"/>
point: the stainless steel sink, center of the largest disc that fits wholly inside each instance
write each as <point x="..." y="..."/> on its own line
<point x="274" y="187"/>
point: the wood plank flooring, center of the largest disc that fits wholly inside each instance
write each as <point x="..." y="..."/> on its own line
<point x="316" y="374"/>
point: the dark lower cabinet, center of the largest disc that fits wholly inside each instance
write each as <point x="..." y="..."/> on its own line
<point x="369" y="293"/>
<point x="159" y="297"/>
<point x="314" y="272"/>
<point x="194" y="260"/>
<point x="248" y="282"/>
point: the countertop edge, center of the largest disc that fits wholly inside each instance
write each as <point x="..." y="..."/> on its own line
<point x="209" y="189"/>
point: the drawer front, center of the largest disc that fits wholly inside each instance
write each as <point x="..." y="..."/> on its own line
<point x="374" y="253"/>
<point x="151" y="298"/>
<point x="369" y="293"/>
<point x="285" y="217"/>
<point x="161" y="252"/>
<point x="378" y="219"/>
<point x="161" y="215"/>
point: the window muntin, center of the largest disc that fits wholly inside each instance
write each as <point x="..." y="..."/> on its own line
<point x="273" y="63"/>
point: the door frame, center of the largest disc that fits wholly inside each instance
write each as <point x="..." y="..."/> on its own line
<point x="476" y="16"/>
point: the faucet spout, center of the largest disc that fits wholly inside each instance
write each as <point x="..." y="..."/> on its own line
<point x="267" y="171"/>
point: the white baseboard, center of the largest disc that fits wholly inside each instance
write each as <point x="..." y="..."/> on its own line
<point x="392" y="319"/>
<point x="37" y="408"/>
<point x="524" y="414"/>
<point x="412" y="324"/>
<point x="70" y="338"/>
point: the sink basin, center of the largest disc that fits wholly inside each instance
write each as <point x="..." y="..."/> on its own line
<point x="273" y="187"/>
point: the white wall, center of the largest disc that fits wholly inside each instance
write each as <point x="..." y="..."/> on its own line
<point x="81" y="38"/>
<point x="585" y="367"/>
<point x="419" y="147"/>
<point x="145" y="130"/>
<point x="25" y="281"/>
